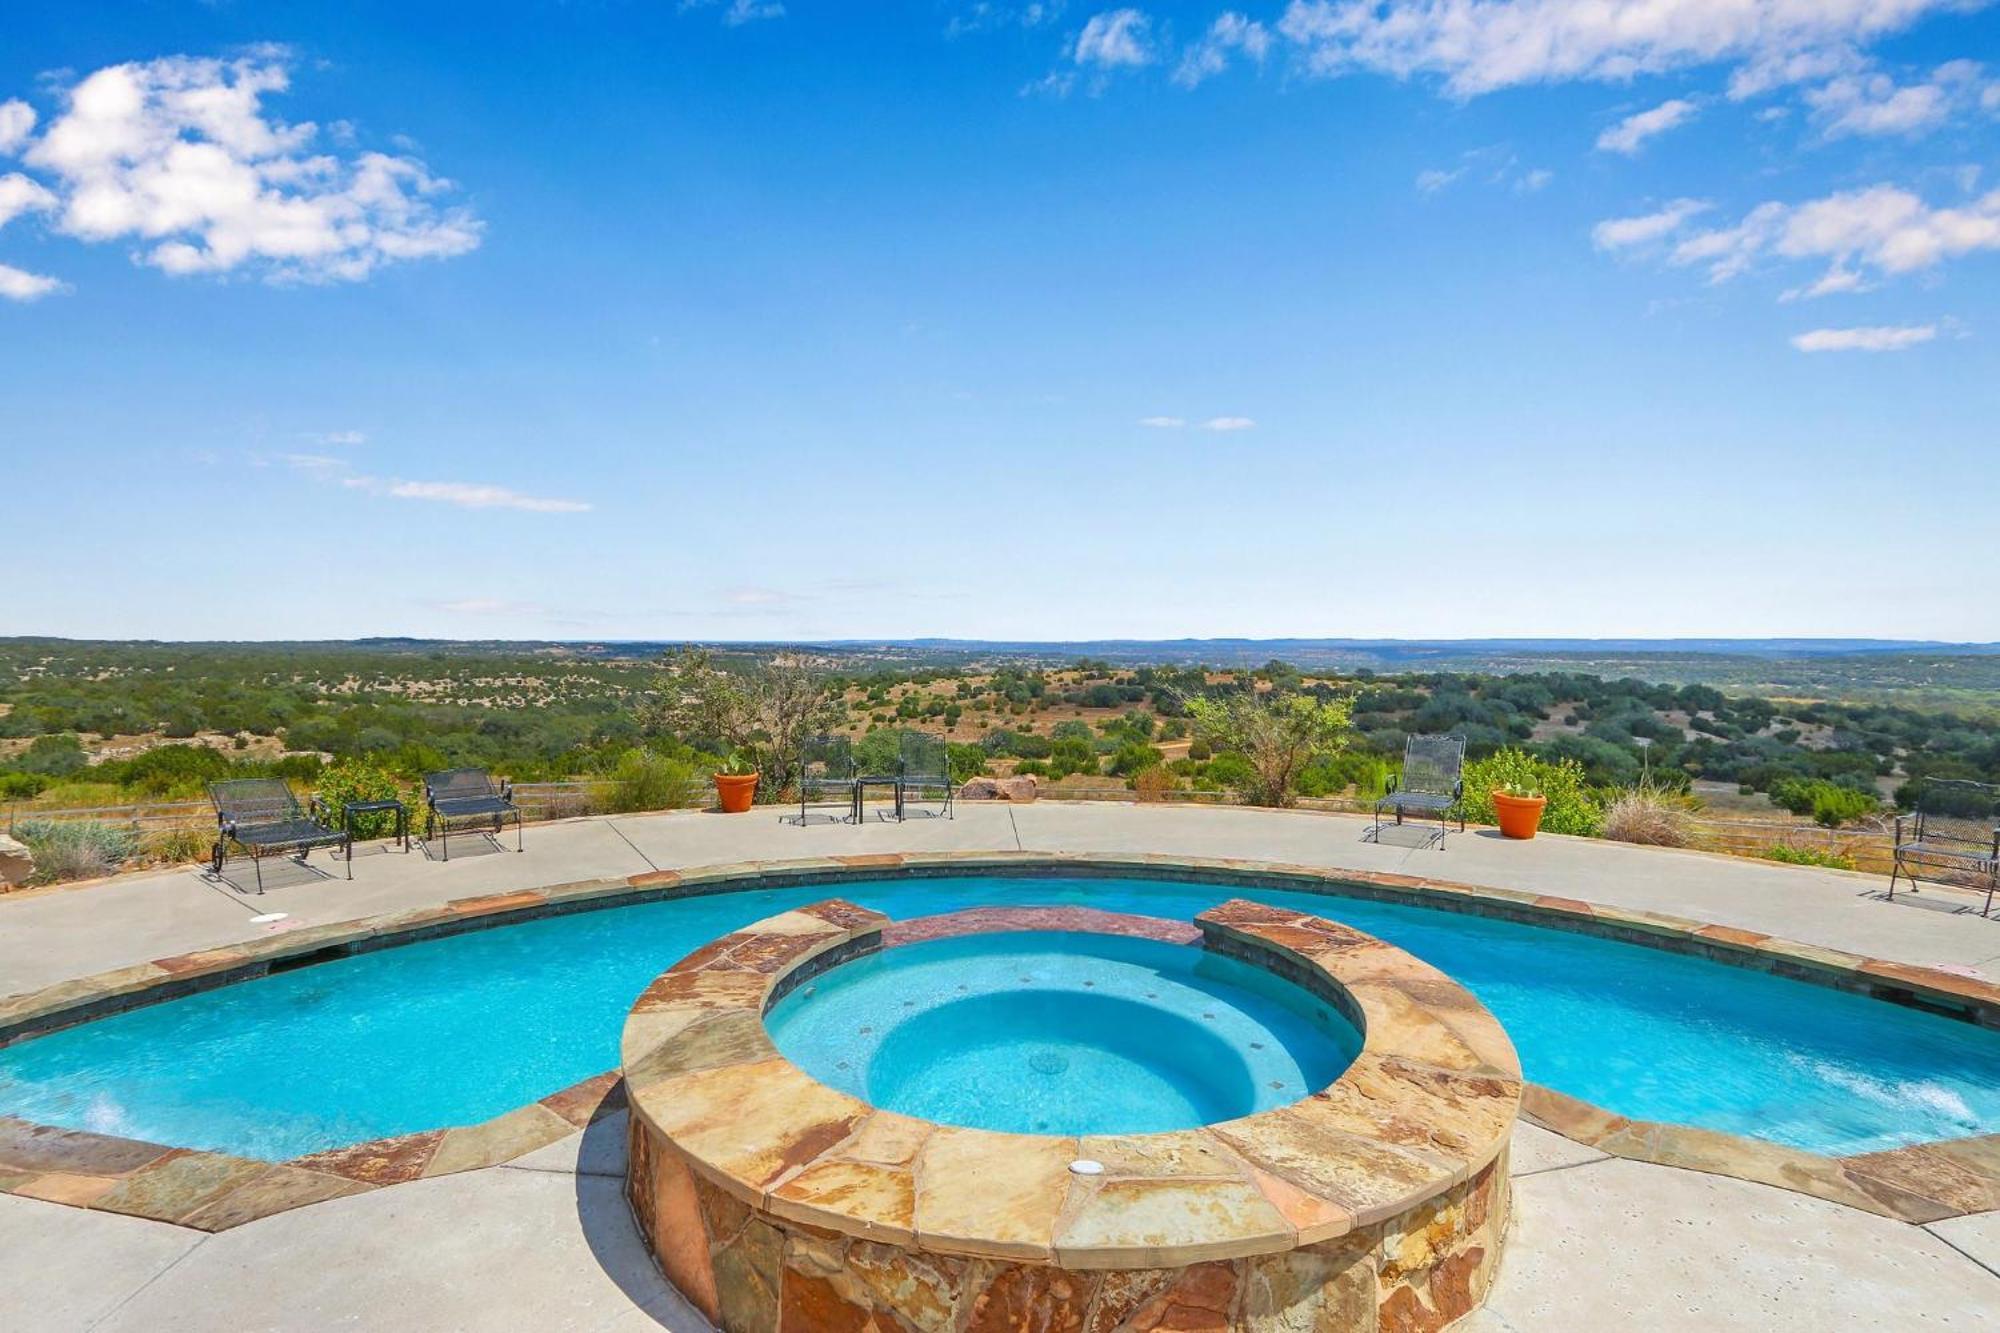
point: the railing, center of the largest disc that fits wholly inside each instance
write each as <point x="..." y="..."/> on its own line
<point x="146" y="817"/>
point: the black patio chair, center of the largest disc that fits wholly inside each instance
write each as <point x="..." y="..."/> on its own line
<point x="1432" y="783"/>
<point x="827" y="780"/>
<point x="262" y="817"/>
<point x="923" y="773"/>
<point x="1952" y="836"/>
<point x="463" y="796"/>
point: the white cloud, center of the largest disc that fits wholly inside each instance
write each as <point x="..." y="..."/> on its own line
<point x="1891" y="338"/>
<point x="178" y="155"/>
<point x="1477" y="46"/>
<point x="1875" y="104"/>
<point x="1114" y="39"/>
<point x="1531" y="181"/>
<point x="1434" y="179"/>
<point x="1229" y="34"/>
<point x="983" y="16"/>
<point x="1228" y="423"/>
<point x="739" y="12"/>
<point x="1628" y="134"/>
<point x="1647" y="228"/>
<point x="1163" y="423"/>
<point x="342" y="437"/>
<point x="17" y="119"/>
<point x="20" y="195"/>
<point x="475" y="495"/>
<point x="1884" y="228"/>
<point x="20" y="285"/>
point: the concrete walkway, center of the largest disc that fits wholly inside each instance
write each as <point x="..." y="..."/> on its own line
<point x="56" y="934"/>
<point x="546" y="1241"/>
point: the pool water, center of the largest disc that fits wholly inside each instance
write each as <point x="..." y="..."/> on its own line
<point x="453" y="1031"/>
<point x="1056" y="1032"/>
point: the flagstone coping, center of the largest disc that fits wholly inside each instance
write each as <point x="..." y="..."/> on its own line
<point x="1921" y="1182"/>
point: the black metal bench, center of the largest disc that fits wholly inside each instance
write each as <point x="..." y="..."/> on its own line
<point x="1951" y="836"/>
<point x="468" y="796"/>
<point x="262" y="817"/>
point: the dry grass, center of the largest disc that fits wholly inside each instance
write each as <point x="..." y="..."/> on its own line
<point x="1649" y="816"/>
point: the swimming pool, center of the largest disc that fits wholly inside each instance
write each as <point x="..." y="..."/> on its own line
<point x="453" y="1031"/>
<point x="1061" y="1032"/>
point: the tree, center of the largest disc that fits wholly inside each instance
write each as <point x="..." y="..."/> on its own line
<point x="1277" y="733"/>
<point x="764" y="713"/>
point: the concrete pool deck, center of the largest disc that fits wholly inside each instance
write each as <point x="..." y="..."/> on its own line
<point x="1602" y="1242"/>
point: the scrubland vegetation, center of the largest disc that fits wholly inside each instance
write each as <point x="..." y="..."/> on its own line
<point x="87" y="725"/>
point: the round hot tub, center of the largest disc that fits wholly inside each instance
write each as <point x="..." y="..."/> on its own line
<point x="1270" y="1120"/>
<point x="1063" y="1032"/>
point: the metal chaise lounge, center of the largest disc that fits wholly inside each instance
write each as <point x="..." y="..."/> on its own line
<point x="263" y="818"/>
<point x="1952" y="837"/>
<point x="1431" y="784"/>
<point x="923" y="773"/>
<point x="827" y="780"/>
<point x="468" y="796"/>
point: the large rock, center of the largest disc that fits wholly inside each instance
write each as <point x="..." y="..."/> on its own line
<point x="16" y="863"/>
<point x="1025" y="788"/>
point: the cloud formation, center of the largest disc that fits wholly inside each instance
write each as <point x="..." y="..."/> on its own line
<point x="1231" y="34"/>
<point x="178" y="155"/>
<point x="1117" y="38"/>
<point x="1880" y="338"/>
<point x="1628" y="134"/>
<point x="1478" y="46"/>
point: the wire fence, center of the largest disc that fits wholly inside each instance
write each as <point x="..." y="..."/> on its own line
<point x="1869" y="847"/>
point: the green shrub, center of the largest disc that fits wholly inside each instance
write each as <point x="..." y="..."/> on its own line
<point x="1830" y="804"/>
<point x="1572" y="807"/>
<point x="1808" y="856"/>
<point x="75" y="849"/>
<point x="360" y="780"/>
<point x="648" y="780"/>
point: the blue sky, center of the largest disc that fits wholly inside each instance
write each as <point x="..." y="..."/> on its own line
<point x="738" y="320"/>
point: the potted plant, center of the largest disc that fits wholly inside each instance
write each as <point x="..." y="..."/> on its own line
<point x="736" y="783"/>
<point x="1519" y="807"/>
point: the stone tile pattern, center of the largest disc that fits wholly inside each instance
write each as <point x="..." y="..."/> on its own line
<point x="1936" y="1179"/>
<point x="988" y="920"/>
<point x="776" y="1203"/>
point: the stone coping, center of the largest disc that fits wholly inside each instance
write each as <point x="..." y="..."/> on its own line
<point x="1921" y="1182"/>
<point x="1428" y="1103"/>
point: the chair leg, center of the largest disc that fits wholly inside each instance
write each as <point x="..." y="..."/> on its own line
<point x="1895" y="869"/>
<point x="350" y="856"/>
<point x="257" y="864"/>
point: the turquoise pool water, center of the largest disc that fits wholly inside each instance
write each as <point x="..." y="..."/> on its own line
<point x="456" y="1030"/>
<point x="1053" y="1032"/>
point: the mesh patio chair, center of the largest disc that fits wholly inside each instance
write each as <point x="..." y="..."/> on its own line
<point x="923" y="774"/>
<point x="1431" y="783"/>
<point x="468" y="796"/>
<point x="827" y="780"/>
<point x="262" y="817"/>
<point x="1951" y="837"/>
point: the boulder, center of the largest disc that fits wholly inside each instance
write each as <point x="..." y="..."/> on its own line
<point x="1000" y="789"/>
<point x="16" y="863"/>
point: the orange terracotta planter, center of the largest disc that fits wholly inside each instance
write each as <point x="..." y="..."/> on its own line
<point x="736" y="791"/>
<point x="1520" y="816"/>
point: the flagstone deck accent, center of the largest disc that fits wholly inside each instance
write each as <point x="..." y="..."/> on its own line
<point x="1920" y="1183"/>
<point x="773" y="1201"/>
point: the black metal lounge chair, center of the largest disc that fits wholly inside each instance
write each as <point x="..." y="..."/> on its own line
<point x="463" y="796"/>
<point x="923" y="773"/>
<point x="1431" y="784"/>
<point x="263" y="818"/>
<point x="1952" y="837"/>
<point x="827" y="780"/>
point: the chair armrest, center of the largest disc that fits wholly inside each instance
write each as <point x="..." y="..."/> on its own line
<point x="316" y="809"/>
<point x="507" y="790"/>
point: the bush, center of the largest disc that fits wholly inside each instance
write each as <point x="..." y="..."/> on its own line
<point x="1650" y="816"/>
<point x="81" y="849"/>
<point x="178" y="846"/>
<point x="1154" y="783"/>
<point x="360" y="780"/>
<point x="1278" y="735"/>
<point x="649" y="780"/>
<point x="1572" y="807"/>
<point x="1830" y="804"/>
<point x="1808" y="856"/>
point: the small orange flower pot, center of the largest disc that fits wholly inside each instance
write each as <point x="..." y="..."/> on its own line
<point x="1520" y="816"/>
<point x="735" y="791"/>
